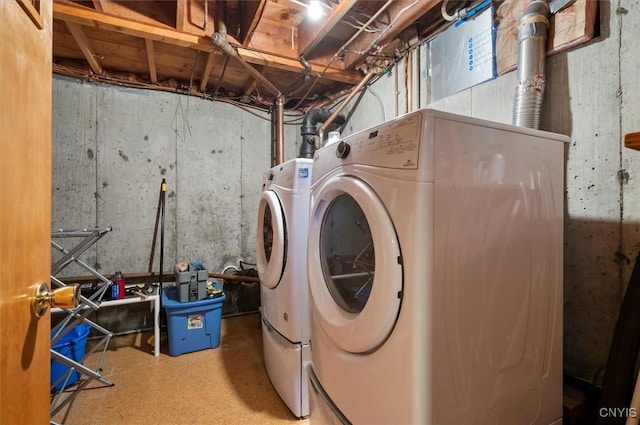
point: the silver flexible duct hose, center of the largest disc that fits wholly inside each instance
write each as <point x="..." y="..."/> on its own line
<point x="532" y="49"/>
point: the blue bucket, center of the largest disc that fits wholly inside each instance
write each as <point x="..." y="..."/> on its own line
<point x="72" y="345"/>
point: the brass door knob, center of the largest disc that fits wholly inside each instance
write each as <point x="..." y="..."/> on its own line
<point x="64" y="297"/>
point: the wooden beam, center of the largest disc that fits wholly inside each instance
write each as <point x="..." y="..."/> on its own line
<point x="151" y="59"/>
<point x="81" y="38"/>
<point x="403" y="13"/>
<point x="293" y="65"/>
<point x="181" y="14"/>
<point x="310" y="34"/>
<point x="88" y="17"/>
<point x="251" y="13"/>
<point x="207" y="72"/>
<point x="98" y="5"/>
<point x="250" y="88"/>
<point x="278" y="39"/>
<point x="68" y="12"/>
<point x="632" y="141"/>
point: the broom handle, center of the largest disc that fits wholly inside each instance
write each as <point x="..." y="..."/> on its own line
<point x="155" y="230"/>
<point x="162" y="197"/>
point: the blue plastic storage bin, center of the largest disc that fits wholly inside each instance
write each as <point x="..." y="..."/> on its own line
<point x="72" y="345"/>
<point x="192" y="326"/>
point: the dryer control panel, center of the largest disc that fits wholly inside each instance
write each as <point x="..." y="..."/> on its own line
<point x="395" y="144"/>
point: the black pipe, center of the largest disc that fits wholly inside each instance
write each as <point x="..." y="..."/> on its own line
<point x="309" y="131"/>
<point x="160" y="277"/>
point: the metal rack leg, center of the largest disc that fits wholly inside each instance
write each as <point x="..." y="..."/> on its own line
<point x="78" y="315"/>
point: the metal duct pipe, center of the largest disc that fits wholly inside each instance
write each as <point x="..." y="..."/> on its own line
<point x="220" y="40"/>
<point x="532" y="49"/>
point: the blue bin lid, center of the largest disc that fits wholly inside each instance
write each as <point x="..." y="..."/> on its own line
<point x="77" y="333"/>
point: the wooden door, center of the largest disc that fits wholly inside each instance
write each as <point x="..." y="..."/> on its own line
<point x="25" y="208"/>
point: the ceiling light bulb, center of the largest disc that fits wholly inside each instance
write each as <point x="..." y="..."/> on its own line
<point x="315" y="10"/>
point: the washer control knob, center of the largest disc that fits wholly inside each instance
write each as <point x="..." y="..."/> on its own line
<point x="343" y="149"/>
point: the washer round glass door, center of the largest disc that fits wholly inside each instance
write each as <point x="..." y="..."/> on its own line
<point x="355" y="266"/>
<point x="271" y="240"/>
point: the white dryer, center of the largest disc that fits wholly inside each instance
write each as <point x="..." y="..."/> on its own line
<point x="435" y="273"/>
<point x="283" y="218"/>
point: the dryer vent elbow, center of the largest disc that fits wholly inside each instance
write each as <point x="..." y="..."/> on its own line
<point x="309" y="130"/>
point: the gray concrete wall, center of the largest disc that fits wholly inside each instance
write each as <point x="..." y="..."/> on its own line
<point x="113" y="146"/>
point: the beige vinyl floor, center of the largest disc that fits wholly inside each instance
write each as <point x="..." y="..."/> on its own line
<point x="226" y="385"/>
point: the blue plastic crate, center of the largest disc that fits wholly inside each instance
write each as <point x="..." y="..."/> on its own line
<point x="72" y="345"/>
<point x="192" y="326"/>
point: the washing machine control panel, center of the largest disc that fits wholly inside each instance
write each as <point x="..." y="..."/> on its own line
<point x="395" y="144"/>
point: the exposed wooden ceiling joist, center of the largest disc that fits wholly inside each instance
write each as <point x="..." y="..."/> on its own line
<point x="81" y="38"/>
<point x="310" y="34"/>
<point x="90" y="18"/>
<point x="84" y="16"/>
<point x="151" y="58"/>
<point x="181" y="13"/>
<point x="98" y="5"/>
<point x="251" y="12"/>
<point x="403" y="13"/>
<point x="207" y="71"/>
<point x="248" y="90"/>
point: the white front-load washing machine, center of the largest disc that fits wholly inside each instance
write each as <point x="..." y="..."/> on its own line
<point x="435" y="273"/>
<point x="283" y="218"/>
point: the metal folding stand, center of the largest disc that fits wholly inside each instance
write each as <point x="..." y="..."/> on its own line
<point x="77" y="315"/>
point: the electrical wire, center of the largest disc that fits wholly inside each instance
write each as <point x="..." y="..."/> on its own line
<point x="383" y="32"/>
<point x="304" y="97"/>
<point x="337" y="55"/>
<point x="353" y="109"/>
<point x="353" y="37"/>
<point x="377" y="96"/>
<point x="224" y="69"/>
<point x="71" y="72"/>
<point x="375" y="20"/>
<point x="357" y="25"/>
